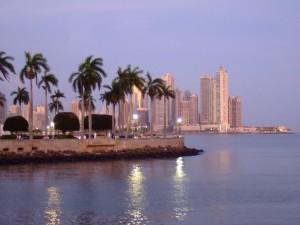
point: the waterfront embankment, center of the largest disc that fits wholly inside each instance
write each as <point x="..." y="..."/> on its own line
<point x="38" y="151"/>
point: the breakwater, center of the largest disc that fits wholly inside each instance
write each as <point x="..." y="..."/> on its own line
<point x="53" y="150"/>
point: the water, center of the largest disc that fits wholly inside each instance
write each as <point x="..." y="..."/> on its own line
<point x="239" y="180"/>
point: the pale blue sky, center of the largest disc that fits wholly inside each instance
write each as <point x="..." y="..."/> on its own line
<point x="256" y="40"/>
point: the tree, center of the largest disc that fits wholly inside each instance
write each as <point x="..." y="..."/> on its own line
<point x="6" y="66"/>
<point x="166" y="92"/>
<point x="77" y="80"/>
<point x="86" y="104"/>
<point x="127" y="79"/>
<point x="15" y="124"/>
<point x="113" y="95"/>
<point x="58" y="94"/>
<point x="66" y="121"/>
<point x="99" y="122"/>
<point x="21" y="96"/>
<point x="33" y="66"/>
<point x="55" y="105"/>
<point x="88" y="78"/>
<point x="152" y="89"/>
<point x="46" y="82"/>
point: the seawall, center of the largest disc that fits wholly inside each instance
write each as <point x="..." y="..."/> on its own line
<point x="53" y="150"/>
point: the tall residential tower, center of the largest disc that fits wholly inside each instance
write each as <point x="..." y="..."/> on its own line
<point x="222" y="99"/>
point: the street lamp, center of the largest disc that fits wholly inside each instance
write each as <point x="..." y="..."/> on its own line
<point x="179" y="121"/>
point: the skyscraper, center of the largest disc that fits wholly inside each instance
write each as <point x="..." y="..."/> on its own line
<point x="14" y="110"/>
<point x="39" y="117"/>
<point x="185" y="112"/>
<point x="189" y="109"/>
<point x="138" y="100"/>
<point x="194" y="119"/>
<point x="222" y="98"/>
<point x="208" y="100"/>
<point x="75" y="108"/>
<point x="25" y="112"/>
<point x="171" y="115"/>
<point x="123" y="114"/>
<point x="158" y="107"/>
<point x="178" y="104"/>
<point x="235" y="112"/>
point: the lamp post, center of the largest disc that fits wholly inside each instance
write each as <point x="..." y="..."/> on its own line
<point x="179" y="121"/>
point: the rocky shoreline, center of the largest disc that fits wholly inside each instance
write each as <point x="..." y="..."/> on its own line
<point x="40" y="156"/>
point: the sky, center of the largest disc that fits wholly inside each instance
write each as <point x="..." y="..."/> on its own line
<point x="257" y="41"/>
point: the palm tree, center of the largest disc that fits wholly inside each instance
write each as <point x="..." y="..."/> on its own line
<point x="166" y="92"/>
<point x="152" y="89"/>
<point x="21" y="96"/>
<point x="58" y="94"/>
<point x="77" y="80"/>
<point x="88" y="78"/>
<point x="127" y="79"/>
<point x="5" y="66"/>
<point x="55" y="105"/>
<point x="86" y="104"/>
<point x="46" y="82"/>
<point x="33" y="66"/>
<point x="113" y="95"/>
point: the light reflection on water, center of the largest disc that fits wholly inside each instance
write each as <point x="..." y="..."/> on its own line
<point x="250" y="180"/>
<point x="136" y="196"/>
<point x="224" y="161"/>
<point x="53" y="210"/>
<point x="180" y="199"/>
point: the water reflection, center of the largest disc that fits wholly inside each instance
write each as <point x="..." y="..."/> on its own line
<point x="223" y="161"/>
<point x="181" y="203"/>
<point x="53" y="210"/>
<point x="136" y="196"/>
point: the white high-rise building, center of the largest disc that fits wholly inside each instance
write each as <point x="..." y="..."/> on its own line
<point x="222" y="99"/>
<point x="158" y="107"/>
<point x="194" y="116"/>
<point x="75" y="108"/>
<point x="178" y="104"/>
<point x="39" y="117"/>
<point x="138" y="100"/>
<point x="208" y="100"/>
<point x="14" y="110"/>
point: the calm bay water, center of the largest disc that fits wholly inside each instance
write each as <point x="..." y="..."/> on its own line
<point x="239" y="180"/>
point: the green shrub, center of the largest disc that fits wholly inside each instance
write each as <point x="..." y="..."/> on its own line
<point x="66" y="121"/>
<point x="100" y="122"/>
<point x="15" y="124"/>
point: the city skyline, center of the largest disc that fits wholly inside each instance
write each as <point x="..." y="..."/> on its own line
<point x="221" y="112"/>
<point x="257" y="42"/>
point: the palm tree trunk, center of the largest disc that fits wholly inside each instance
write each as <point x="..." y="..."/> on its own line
<point x="46" y="111"/>
<point x="120" y="119"/>
<point x="165" y="118"/>
<point x="20" y="105"/>
<point x="31" y="112"/>
<point x="129" y="115"/>
<point x="82" y="117"/>
<point x="113" y="120"/>
<point x="90" y="118"/>
<point x="151" y="123"/>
